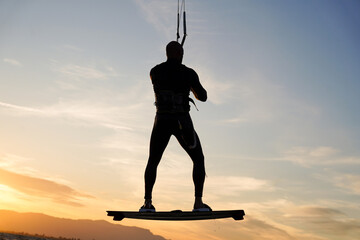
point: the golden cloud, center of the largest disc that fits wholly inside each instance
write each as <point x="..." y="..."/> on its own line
<point x="44" y="188"/>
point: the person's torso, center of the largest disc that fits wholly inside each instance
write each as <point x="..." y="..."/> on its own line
<point x="172" y="84"/>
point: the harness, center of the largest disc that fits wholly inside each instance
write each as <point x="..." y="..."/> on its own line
<point x="170" y="102"/>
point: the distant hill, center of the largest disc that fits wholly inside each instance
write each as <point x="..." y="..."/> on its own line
<point x="24" y="236"/>
<point x="36" y="223"/>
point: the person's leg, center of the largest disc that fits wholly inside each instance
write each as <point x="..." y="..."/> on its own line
<point x="198" y="174"/>
<point x="190" y="141"/>
<point x="160" y="137"/>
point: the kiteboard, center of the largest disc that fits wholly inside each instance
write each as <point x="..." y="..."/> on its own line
<point x="177" y="215"/>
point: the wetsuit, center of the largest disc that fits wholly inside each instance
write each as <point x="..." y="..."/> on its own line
<point x="172" y="82"/>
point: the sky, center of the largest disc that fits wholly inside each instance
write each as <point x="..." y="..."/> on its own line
<point x="280" y="130"/>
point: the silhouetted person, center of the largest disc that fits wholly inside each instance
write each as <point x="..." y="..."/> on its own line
<point x="172" y="82"/>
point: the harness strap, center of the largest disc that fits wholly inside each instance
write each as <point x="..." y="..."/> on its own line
<point x="193" y="102"/>
<point x="186" y="137"/>
<point x="168" y="101"/>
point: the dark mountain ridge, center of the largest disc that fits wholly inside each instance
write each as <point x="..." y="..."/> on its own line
<point x="37" y="223"/>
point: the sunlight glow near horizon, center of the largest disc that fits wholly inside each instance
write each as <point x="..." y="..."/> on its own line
<point x="280" y="130"/>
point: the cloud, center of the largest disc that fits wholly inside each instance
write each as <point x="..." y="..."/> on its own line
<point x="314" y="211"/>
<point x="234" y="184"/>
<point x="251" y="228"/>
<point x="263" y="230"/>
<point x="9" y="160"/>
<point x="12" y="62"/>
<point x="82" y="77"/>
<point x="99" y="106"/>
<point x="308" y="155"/>
<point x="323" y="151"/>
<point x="305" y="222"/>
<point x="90" y="113"/>
<point x="77" y="72"/>
<point x="160" y="14"/>
<point x="12" y="162"/>
<point x="21" y="108"/>
<point x="323" y="221"/>
<point x="72" y="48"/>
<point x="38" y="187"/>
<point x="322" y="155"/>
<point x="254" y="97"/>
<point x="349" y="182"/>
<point x="219" y="92"/>
<point x="312" y="156"/>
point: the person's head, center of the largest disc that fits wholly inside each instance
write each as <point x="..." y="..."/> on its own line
<point x="175" y="51"/>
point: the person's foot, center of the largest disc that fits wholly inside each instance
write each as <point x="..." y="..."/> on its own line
<point x="147" y="207"/>
<point x="202" y="208"/>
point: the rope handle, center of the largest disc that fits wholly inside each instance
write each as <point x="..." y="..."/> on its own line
<point x="181" y="10"/>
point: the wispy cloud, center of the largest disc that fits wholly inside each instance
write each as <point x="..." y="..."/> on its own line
<point x="82" y="72"/>
<point x="349" y="182"/>
<point x="313" y="211"/>
<point x="322" y="155"/>
<point x="323" y="221"/>
<point x="310" y="156"/>
<point x="252" y="228"/>
<point x="234" y="184"/>
<point x="89" y="113"/>
<point x="12" y="62"/>
<point x="21" y="108"/>
<point x="219" y="92"/>
<point x="79" y="72"/>
<point x="161" y="14"/>
<point x="72" y="48"/>
<point x="319" y="220"/>
<point x="12" y="161"/>
<point x="254" y="97"/>
<point x="38" y="187"/>
<point x="307" y="157"/>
